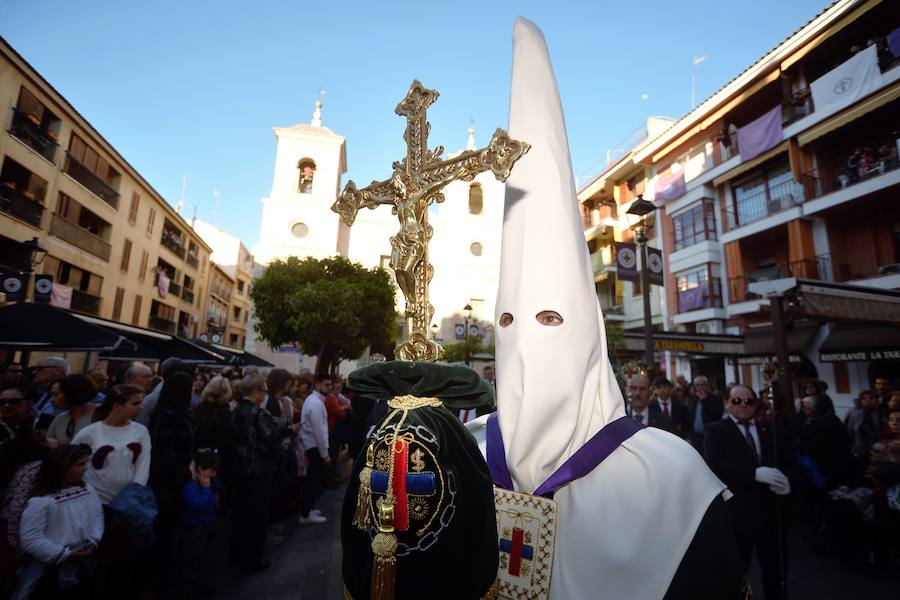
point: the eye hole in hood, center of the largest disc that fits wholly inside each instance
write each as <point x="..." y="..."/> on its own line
<point x="549" y="318"/>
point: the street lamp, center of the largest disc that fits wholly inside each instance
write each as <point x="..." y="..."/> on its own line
<point x="640" y="208"/>
<point x="434" y="331"/>
<point x="468" y="309"/>
<point x="35" y="253"/>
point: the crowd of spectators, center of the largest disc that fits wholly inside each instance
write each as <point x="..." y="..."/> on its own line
<point x="123" y="486"/>
<point x="840" y="477"/>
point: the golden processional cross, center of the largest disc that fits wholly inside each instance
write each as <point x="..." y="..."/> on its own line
<point x="416" y="182"/>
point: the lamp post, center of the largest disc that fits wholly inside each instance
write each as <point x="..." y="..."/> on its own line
<point x="640" y="208"/>
<point x="434" y="331"/>
<point x="468" y="309"/>
<point x="35" y="254"/>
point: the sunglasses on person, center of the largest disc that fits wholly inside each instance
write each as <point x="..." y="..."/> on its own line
<point x="11" y="401"/>
<point x="747" y="401"/>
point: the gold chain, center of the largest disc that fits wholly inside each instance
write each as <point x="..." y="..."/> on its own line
<point x="410" y="402"/>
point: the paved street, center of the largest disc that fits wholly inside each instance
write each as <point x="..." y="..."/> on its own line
<point x="308" y="567"/>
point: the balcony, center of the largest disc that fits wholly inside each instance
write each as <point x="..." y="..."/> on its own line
<point x="837" y="175"/>
<point x="160" y="324"/>
<point x="91" y="181"/>
<point x="174" y="289"/>
<point x="862" y="262"/>
<point x="701" y="297"/>
<point x="192" y="259"/>
<point x="726" y="147"/>
<point x="818" y="268"/>
<point x="770" y="201"/>
<point x="187" y="296"/>
<point x="86" y="303"/>
<point x="79" y="237"/>
<point x="796" y="107"/>
<point x="603" y="259"/>
<point x="172" y="240"/>
<point x="27" y="128"/>
<point x="20" y="206"/>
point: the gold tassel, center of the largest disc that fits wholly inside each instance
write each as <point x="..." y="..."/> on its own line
<point x="361" y="518"/>
<point x="384" y="547"/>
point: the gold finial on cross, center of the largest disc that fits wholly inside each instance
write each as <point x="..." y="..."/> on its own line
<point x="415" y="184"/>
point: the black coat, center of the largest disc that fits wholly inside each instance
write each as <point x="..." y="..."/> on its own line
<point x="678" y="421"/>
<point x="711" y="409"/>
<point x="825" y="440"/>
<point x="654" y="419"/>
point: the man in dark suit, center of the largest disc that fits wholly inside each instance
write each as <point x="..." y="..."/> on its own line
<point x="639" y="408"/>
<point x="705" y="408"/>
<point x="676" y="415"/>
<point x="740" y="452"/>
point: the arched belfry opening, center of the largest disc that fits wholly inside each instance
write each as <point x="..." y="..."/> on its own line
<point x="307" y="172"/>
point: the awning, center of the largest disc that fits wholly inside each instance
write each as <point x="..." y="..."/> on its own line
<point x="234" y="356"/>
<point x="28" y="326"/>
<point x="852" y="113"/>
<point x="852" y="343"/>
<point x="760" y="341"/>
<point x="751" y="164"/>
<point x="152" y="346"/>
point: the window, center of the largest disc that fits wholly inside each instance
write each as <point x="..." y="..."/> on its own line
<point x="72" y="276"/>
<point x="88" y="158"/>
<point x="300" y="230"/>
<point x="237" y="313"/>
<point x="145" y="258"/>
<point x="307" y="170"/>
<point x="698" y="289"/>
<point x="476" y="199"/>
<point x="151" y="220"/>
<point x="126" y="256"/>
<point x="35" y="125"/>
<point x="770" y="190"/>
<point x="233" y="340"/>
<point x="476" y="249"/>
<point x="240" y="287"/>
<point x="117" y="304"/>
<point x="694" y="225"/>
<point x="136" y="312"/>
<point x="133" y="210"/>
<point x="22" y="182"/>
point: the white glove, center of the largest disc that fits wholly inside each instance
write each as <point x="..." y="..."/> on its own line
<point x="773" y="478"/>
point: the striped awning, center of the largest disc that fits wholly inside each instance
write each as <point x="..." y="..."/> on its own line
<point x="852" y="113"/>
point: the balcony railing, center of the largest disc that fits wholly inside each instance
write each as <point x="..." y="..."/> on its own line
<point x="602" y="259"/>
<point x="79" y="237"/>
<point x="30" y="132"/>
<point x="91" y="181"/>
<point x="796" y="107"/>
<point x="14" y="203"/>
<point x="160" y="324"/>
<point x="174" y="289"/>
<point x="86" y="303"/>
<point x="749" y="209"/>
<point x="836" y="175"/>
<point x="700" y="235"/>
<point x="864" y="261"/>
<point x="188" y="296"/>
<point x="192" y="259"/>
<point x="726" y="147"/>
<point x="817" y="268"/>
<point x="170" y="241"/>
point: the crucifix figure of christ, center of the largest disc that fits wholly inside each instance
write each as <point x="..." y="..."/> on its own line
<point x="415" y="184"/>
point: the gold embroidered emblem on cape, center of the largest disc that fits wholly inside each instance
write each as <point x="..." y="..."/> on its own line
<point x="526" y="526"/>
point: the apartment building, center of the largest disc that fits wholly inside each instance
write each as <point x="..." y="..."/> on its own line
<point x="789" y="170"/>
<point x="116" y="248"/>
<point x="217" y="305"/>
<point x="234" y="260"/>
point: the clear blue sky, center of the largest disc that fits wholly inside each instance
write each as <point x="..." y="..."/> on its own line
<point x="195" y="86"/>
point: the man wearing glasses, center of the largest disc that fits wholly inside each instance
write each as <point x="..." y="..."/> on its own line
<point x="740" y="452"/>
<point x="48" y="371"/>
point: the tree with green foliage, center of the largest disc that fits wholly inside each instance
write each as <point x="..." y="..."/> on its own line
<point x="472" y="345"/>
<point x="332" y="308"/>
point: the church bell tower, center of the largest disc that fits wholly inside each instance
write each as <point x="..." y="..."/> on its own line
<point x="297" y="220"/>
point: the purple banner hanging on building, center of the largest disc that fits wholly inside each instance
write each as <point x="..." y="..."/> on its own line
<point x="760" y="135"/>
<point x="626" y="262"/>
<point x="671" y="186"/>
<point x="690" y="299"/>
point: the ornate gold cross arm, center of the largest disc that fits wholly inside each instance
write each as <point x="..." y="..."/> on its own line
<point x="416" y="182"/>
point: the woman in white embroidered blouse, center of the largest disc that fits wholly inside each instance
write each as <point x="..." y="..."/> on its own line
<point x="120" y="446"/>
<point x="63" y="523"/>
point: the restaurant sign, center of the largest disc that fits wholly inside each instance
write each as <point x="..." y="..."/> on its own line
<point x="860" y="355"/>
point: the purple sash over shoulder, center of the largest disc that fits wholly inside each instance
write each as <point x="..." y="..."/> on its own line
<point x="577" y="466"/>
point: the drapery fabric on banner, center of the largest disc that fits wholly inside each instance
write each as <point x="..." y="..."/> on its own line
<point x="760" y="135"/>
<point x="655" y="264"/>
<point x="846" y="83"/>
<point x="690" y="299"/>
<point x="671" y="186"/>
<point x="163" y="284"/>
<point x="626" y="261"/>
<point x="61" y="296"/>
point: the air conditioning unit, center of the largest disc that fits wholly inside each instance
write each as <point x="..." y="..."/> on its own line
<point x="709" y="327"/>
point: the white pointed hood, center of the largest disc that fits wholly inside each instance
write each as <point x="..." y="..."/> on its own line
<point x="555" y="384"/>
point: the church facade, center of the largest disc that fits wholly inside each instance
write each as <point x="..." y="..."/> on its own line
<point x="310" y="161"/>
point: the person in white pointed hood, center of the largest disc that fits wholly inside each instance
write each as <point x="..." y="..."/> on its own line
<point x="624" y="528"/>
